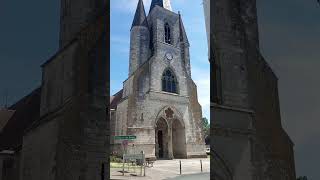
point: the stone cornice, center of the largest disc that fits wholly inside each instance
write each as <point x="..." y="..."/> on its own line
<point x="218" y="106"/>
<point x="230" y="132"/>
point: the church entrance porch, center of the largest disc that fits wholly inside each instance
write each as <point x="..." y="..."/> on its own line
<point x="161" y="139"/>
<point x="170" y="138"/>
<point x="178" y="140"/>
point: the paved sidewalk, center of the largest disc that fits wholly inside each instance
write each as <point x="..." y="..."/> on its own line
<point x="165" y="169"/>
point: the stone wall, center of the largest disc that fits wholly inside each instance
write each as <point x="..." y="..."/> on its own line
<point x="39" y="152"/>
<point x="139" y="47"/>
<point x="58" y="80"/>
<point x="9" y="165"/>
<point x="71" y="138"/>
<point x="268" y="125"/>
<point x="233" y="129"/>
<point x="245" y="82"/>
<point x="76" y="15"/>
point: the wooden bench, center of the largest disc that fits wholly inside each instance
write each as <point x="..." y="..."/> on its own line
<point x="149" y="161"/>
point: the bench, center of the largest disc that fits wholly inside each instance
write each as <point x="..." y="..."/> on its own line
<point x="150" y="161"/>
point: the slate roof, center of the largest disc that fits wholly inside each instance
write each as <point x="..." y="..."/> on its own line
<point x="183" y="34"/>
<point x="154" y="3"/>
<point x="115" y="99"/>
<point x="27" y="110"/>
<point x="140" y="18"/>
<point x="160" y="3"/>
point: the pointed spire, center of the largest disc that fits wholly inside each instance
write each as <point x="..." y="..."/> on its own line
<point x="183" y="35"/>
<point x="162" y="3"/>
<point x="140" y="18"/>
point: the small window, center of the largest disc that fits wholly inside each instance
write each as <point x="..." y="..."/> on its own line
<point x="167" y="34"/>
<point x="169" y="82"/>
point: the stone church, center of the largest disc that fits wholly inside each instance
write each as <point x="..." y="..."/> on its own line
<point x="158" y="103"/>
<point x="248" y="140"/>
<point x="60" y="130"/>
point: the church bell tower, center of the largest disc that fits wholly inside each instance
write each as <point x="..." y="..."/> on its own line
<point x="75" y="15"/>
<point x="139" y="39"/>
<point x="159" y="102"/>
<point x="247" y="133"/>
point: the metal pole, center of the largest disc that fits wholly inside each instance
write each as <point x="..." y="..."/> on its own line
<point x="201" y="164"/>
<point x="141" y="163"/>
<point x="180" y="167"/>
<point x="123" y="167"/>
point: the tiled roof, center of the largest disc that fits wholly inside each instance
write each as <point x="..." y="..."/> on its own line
<point x="115" y="99"/>
<point x="5" y="115"/>
<point x="27" y="110"/>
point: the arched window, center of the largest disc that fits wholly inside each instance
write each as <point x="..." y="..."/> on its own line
<point x="169" y="82"/>
<point x="167" y="34"/>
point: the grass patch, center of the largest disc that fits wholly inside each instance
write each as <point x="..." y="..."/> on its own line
<point x="128" y="168"/>
<point x="120" y="165"/>
<point x="115" y="165"/>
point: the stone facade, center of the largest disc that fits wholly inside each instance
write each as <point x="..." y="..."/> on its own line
<point x="245" y="103"/>
<point x="60" y="131"/>
<point x="70" y="139"/>
<point x="167" y="124"/>
<point x="75" y="15"/>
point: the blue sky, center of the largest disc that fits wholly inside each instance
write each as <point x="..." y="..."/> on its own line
<point x="122" y="12"/>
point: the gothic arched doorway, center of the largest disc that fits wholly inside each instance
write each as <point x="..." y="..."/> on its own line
<point x="161" y="139"/>
<point x="178" y="140"/>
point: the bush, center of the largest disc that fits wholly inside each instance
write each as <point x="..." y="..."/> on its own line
<point x="116" y="159"/>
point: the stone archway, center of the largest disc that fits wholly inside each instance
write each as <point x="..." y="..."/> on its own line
<point x="170" y="137"/>
<point x="162" y="139"/>
<point x="179" y="149"/>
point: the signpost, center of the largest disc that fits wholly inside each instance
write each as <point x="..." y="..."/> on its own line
<point x="132" y="156"/>
<point x="130" y="137"/>
<point x="125" y="141"/>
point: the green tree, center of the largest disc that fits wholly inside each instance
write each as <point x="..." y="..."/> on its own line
<point x="206" y="127"/>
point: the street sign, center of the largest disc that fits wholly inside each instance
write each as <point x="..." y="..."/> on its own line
<point x="125" y="137"/>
